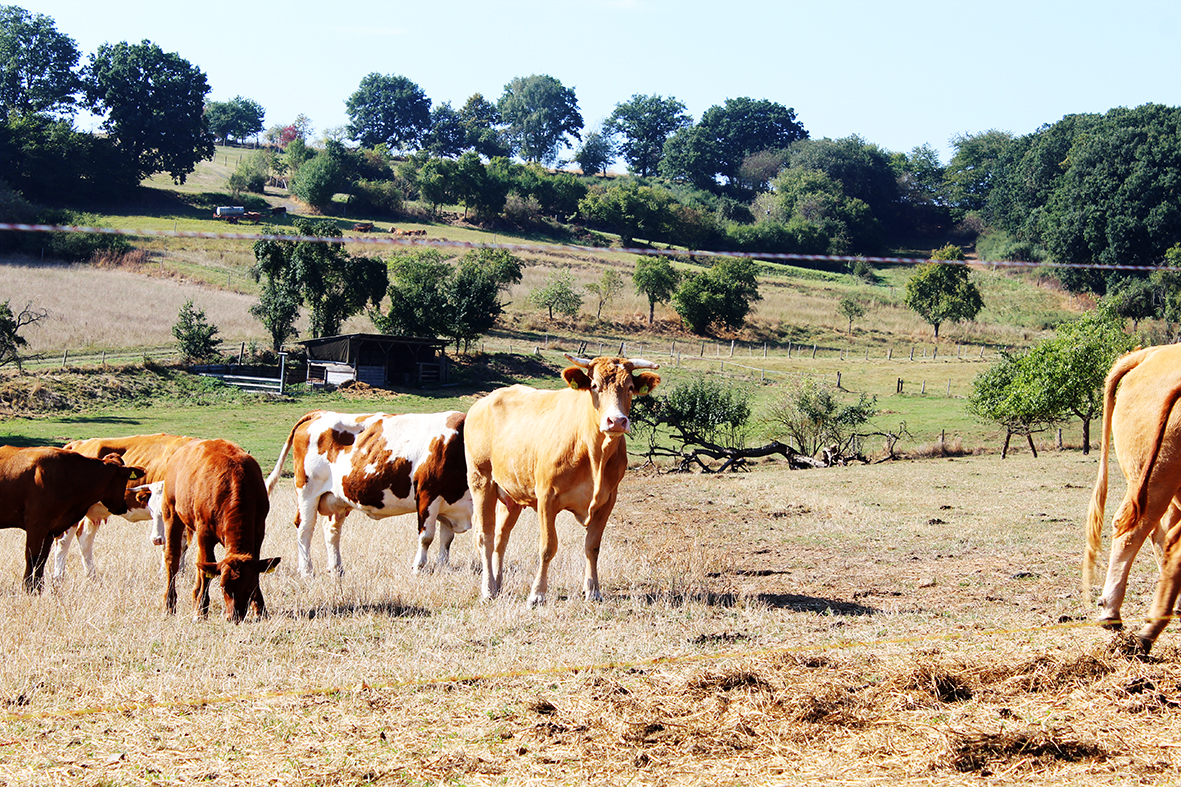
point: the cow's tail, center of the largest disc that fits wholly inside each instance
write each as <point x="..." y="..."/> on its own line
<point x="1095" y="514"/>
<point x="273" y="478"/>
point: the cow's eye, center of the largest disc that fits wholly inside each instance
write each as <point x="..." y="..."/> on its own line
<point x="595" y="386"/>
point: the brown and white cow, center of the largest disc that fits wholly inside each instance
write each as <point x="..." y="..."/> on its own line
<point x="382" y="465"/>
<point x="149" y="451"/>
<point x="553" y="451"/>
<point x="1141" y="417"/>
<point x="214" y="491"/>
<point x="47" y="490"/>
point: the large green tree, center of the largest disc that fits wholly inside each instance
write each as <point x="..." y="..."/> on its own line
<point x="332" y="283"/>
<point x="389" y="110"/>
<point x="154" y="107"/>
<point x="541" y="116"/>
<point x="481" y="122"/>
<point x="724" y="295"/>
<point x="725" y="136"/>
<point x="942" y="291"/>
<point x="645" y="123"/>
<point x="38" y="64"/>
<point x="237" y="118"/>
<point x="973" y="170"/>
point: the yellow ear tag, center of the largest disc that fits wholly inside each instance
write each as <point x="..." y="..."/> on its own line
<point x="271" y="570"/>
<point x="643" y="391"/>
<point x="573" y="384"/>
<point x="210" y="575"/>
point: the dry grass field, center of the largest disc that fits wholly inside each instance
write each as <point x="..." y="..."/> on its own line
<point x="907" y="622"/>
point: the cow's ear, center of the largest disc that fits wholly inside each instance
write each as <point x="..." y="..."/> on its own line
<point x="136" y="473"/>
<point x="576" y="378"/>
<point x="645" y="382"/>
<point x="210" y="570"/>
<point x="113" y="459"/>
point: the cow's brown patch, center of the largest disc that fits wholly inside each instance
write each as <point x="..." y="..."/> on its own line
<point x="390" y="472"/>
<point x="444" y="471"/>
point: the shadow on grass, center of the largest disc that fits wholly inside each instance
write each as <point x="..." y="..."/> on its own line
<point x="792" y="602"/>
<point x="389" y="609"/>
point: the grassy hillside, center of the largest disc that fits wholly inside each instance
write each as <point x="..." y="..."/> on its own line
<point x="128" y="308"/>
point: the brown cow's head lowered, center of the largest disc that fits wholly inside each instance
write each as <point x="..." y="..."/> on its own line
<point x="239" y="583"/>
<point x="612" y="382"/>
<point x="114" y="496"/>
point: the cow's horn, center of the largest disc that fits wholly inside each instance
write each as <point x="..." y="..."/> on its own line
<point x="583" y="362"/>
<point x="640" y="363"/>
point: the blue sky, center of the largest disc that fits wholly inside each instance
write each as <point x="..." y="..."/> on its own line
<point x="899" y="73"/>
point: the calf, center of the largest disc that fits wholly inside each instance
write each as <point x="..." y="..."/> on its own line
<point x="47" y="490"/>
<point x="149" y="451"/>
<point x="383" y="465"/>
<point x="214" y="491"/>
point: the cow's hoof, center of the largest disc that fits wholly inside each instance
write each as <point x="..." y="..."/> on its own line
<point x="1114" y="624"/>
<point x="535" y="600"/>
<point x="1129" y="645"/>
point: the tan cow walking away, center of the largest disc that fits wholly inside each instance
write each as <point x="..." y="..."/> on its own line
<point x="554" y="451"/>
<point x="1141" y="419"/>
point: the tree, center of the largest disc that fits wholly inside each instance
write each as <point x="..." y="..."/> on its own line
<point x="154" y="103"/>
<point x="861" y="168"/>
<point x="196" y="336"/>
<point x="474" y="292"/>
<point x="1069" y="369"/>
<point x="723" y="295"/>
<point x="541" y="116"/>
<point x="388" y="110"/>
<point x="973" y="169"/>
<point x="418" y="295"/>
<point x="11" y="325"/>
<point x="333" y="284"/>
<point x="480" y="120"/>
<point x="1134" y="298"/>
<point x="852" y="309"/>
<point x="629" y="209"/>
<point x="942" y="292"/>
<point x="813" y="415"/>
<point x="595" y="153"/>
<point x="447" y="137"/>
<point x="646" y="123"/>
<point x="1003" y="394"/>
<point x="559" y="293"/>
<point x="609" y="285"/>
<point x="655" y="278"/>
<point x="318" y="180"/>
<point x="726" y="135"/>
<point x="277" y="309"/>
<point x="37" y="64"/>
<point x="237" y="118"/>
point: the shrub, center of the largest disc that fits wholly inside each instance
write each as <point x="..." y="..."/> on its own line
<point x="813" y="416"/>
<point x="197" y="338"/>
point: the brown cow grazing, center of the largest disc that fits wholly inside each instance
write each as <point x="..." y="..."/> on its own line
<point x="47" y="490"/>
<point x="1140" y="417"/>
<point x="215" y="491"/>
<point x="382" y="465"/>
<point x="149" y="451"/>
<point x="553" y="451"/>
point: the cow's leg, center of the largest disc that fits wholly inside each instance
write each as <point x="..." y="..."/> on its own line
<point x="61" y="551"/>
<point x="428" y="521"/>
<point x="1165" y="599"/>
<point x="595" y="525"/>
<point x="547" y="546"/>
<point x="506" y="519"/>
<point x="332" y="544"/>
<point x="205" y="554"/>
<point x="256" y="602"/>
<point x="484" y="520"/>
<point x="173" y="533"/>
<point x="37" y="547"/>
<point x="305" y="520"/>
<point x="1124" y="546"/>
<point x="87" y="530"/>
<point x="446" y="536"/>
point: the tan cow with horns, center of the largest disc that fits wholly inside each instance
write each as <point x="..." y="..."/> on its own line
<point x="553" y="451"/>
<point x="1143" y="420"/>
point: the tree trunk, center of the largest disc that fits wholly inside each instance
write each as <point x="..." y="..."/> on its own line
<point x="1029" y="437"/>
<point x="1005" y="449"/>
<point x="651" y="310"/>
<point x="1086" y="436"/>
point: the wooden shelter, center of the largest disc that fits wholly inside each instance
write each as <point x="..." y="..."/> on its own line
<point x="376" y="359"/>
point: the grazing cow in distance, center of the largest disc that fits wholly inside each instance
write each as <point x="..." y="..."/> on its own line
<point x="1141" y="418"/>
<point x="214" y="491"/>
<point x="47" y="490"/>
<point x="382" y="465"/>
<point x="553" y="451"/>
<point x="149" y="451"/>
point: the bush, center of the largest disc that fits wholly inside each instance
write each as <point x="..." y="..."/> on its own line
<point x="196" y="336"/>
<point x="813" y="416"/>
<point x="383" y="197"/>
<point x="251" y="174"/>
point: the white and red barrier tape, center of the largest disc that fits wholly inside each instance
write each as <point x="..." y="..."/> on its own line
<point x="377" y="240"/>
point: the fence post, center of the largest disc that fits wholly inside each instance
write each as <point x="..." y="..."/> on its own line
<point x="924" y="388"/>
<point x="64" y="354"/>
<point x="788" y="351"/>
<point x="949" y="387"/>
<point x="241" y="352"/>
<point x="912" y="352"/>
<point x="890" y="354"/>
<point x="282" y="372"/>
<point x="838" y="379"/>
<point x="898" y="388"/>
<point x="813" y="350"/>
<point x="621" y="349"/>
<point x="732" y="348"/>
<point x="764" y="349"/>
<point x="703" y="349"/>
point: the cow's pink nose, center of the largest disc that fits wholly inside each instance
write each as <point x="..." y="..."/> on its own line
<point x="617" y="423"/>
